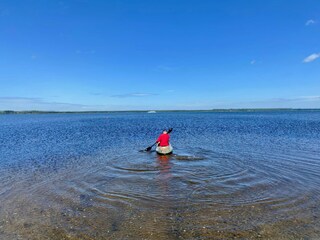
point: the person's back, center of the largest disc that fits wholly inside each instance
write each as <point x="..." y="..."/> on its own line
<point x="163" y="139"/>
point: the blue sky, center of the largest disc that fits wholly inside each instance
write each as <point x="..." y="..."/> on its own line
<point x="168" y="54"/>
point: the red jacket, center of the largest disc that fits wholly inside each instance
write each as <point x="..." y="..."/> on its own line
<point x="163" y="140"/>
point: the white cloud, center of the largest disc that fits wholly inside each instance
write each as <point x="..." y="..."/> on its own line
<point x="40" y="104"/>
<point x="311" y="57"/>
<point x="128" y="95"/>
<point x="253" y="62"/>
<point x="297" y="99"/>
<point x="28" y="103"/>
<point x="308" y="98"/>
<point x="294" y="102"/>
<point x="310" y="22"/>
<point x="170" y="91"/>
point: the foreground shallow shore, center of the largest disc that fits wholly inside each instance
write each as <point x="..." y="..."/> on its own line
<point x="63" y="207"/>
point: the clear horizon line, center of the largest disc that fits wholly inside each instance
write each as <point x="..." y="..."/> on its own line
<point x="161" y="110"/>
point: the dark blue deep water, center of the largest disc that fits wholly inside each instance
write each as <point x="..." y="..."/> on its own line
<point x="232" y="175"/>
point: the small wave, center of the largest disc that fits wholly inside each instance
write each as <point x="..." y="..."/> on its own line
<point x="188" y="158"/>
<point x="135" y="169"/>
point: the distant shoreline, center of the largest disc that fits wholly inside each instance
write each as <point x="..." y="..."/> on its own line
<point x="146" y="111"/>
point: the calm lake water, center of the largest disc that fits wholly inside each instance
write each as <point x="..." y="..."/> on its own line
<point x="232" y="175"/>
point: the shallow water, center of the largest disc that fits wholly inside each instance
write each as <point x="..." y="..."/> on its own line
<point x="232" y="175"/>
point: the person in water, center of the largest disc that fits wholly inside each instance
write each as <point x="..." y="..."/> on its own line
<point x="163" y="139"/>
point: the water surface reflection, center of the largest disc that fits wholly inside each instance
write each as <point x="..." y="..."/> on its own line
<point x="82" y="177"/>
